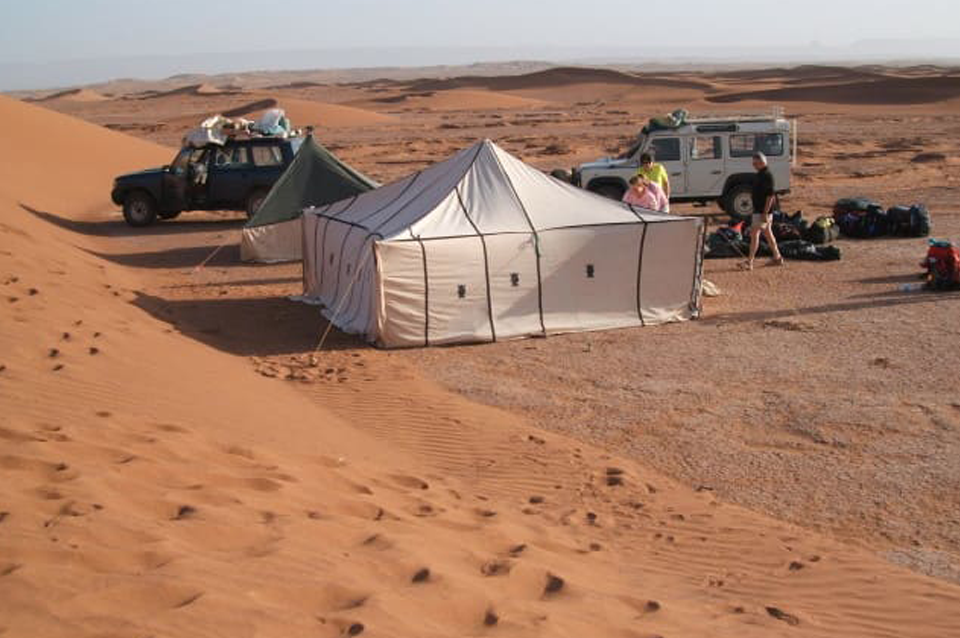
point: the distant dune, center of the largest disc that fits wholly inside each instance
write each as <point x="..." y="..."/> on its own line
<point x="191" y="89"/>
<point x="74" y="95"/>
<point x="890" y="91"/>
<point x="557" y="77"/>
<point x="807" y="73"/>
<point x="461" y="99"/>
<point x="308" y="113"/>
<point x="293" y="85"/>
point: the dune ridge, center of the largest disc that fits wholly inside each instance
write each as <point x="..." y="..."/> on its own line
<point x="555" y="77"/>
<point x="309" y="113"/>
<point x="74" y="95"/>
<point x="889" y="91"/>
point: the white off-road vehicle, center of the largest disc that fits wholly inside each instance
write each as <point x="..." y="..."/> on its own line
<point x="707" y="158"/>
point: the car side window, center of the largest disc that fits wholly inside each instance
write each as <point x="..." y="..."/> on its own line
<point x="229" y="157"/>
<point x="706" y="148"/>
<point x="666" y="149"/>
<point x="267" y="155"/>
<point x="745" y="145"/>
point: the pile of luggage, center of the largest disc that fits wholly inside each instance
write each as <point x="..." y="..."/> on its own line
<point x="218" y="128"/>
<point x="942" y="265"/>
<point x="863" y="218"/>
<point x="796" y="238"/>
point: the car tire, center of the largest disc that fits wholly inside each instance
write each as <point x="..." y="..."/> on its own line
<point x="139" y="209"/>
<point x="738" y="201"/>
<point x="562" y="175"/>
<point x="254" y="200"/>
<point x="610" y="191"/>
<point x="172" y="214"/>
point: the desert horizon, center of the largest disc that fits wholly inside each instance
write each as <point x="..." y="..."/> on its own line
<point x="180" y="456"/>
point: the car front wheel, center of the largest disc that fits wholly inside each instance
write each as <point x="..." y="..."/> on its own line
<point x="139" y="209"/>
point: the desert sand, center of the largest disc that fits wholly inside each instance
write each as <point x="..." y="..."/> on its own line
<point x="179" y="459"/>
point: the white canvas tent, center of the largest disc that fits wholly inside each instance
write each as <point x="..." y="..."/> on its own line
<point x="482" y="247"/>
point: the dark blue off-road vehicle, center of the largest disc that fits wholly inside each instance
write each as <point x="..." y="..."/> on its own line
<point x="236" y="175"/>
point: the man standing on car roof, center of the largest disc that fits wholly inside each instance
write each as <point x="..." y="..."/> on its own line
<point x="656" y="173"/>
<point x="764" y="196"/>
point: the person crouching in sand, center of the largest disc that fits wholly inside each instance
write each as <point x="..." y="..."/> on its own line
<point x="645" y="194"/>
<point x="764" y="196"/>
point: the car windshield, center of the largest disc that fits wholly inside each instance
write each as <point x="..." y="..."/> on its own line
<point x="633" y="148"/>
<point x="184" y="157"/>
<point x="180" y="161"/>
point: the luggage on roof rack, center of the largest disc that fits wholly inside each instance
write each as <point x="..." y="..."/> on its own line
<point x="218" y="129"/>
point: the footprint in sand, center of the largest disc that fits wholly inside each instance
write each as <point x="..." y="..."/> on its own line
<point x="496" y="568"/>
<point x="411" y="482"/>
<point x="516" y="550"/>
<point x="184" y="512"/>
<point x="553" y="586"/>
<point x="169" y="427"/>
<point x="377" y="541"/>
<point x="189" y="600"/>
<point x="781" y="615"/>
<point x="421" y="576"/>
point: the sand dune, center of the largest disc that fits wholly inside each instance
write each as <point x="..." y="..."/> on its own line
<point x="64" y="163"/>
<point x="556" y="77"/>
<point x="891" y="91"/>
<point x="154" y="484"/>
<point x="308" y="113"/>
<point x="75" y="95"/>
<point x="191" y="89"/>
<point x="808" y="73"/>
<point x="460" y="100"/>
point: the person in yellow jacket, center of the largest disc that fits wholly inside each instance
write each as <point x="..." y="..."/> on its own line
<point x="656" y="173"/>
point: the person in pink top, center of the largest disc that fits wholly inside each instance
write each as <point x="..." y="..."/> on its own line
<point x="646" y="194"/>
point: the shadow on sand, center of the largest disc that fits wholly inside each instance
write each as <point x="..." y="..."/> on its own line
<point x="260" y="326"/>
<point x="225" y="256"/>
<point x="119" y="228"/>
<point x="886" y="299"/>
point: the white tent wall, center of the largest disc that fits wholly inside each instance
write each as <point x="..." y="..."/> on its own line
<point x="273" y="243"/>
<point x="589" y="277"/>
<point x="403" y="295"/>
<point x="459" y="301"/>
<point x="667" y="273"/>
<point x="515" y="296"/>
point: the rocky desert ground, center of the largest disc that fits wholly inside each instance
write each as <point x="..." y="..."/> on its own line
<point x="178" y="458"/>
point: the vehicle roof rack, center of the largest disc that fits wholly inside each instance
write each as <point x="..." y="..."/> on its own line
<point x="774" y="113"/>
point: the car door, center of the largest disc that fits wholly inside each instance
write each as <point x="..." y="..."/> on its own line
<point x="705" y="162"/>
<point x="176" y="180"/>
<point x="668" y="151"/>
<point x="229" y="177"/>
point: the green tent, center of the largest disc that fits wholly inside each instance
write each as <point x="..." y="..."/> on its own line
<point x="315" y="177"/>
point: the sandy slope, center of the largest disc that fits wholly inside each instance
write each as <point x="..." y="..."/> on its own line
<point x="155" y="486"/>
<point x="309" y="113"/>
<point x="75" y="95"/>
<point x="456" y="100"/>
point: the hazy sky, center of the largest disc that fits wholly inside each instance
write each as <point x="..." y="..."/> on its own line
<point x="36" y="32"/>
